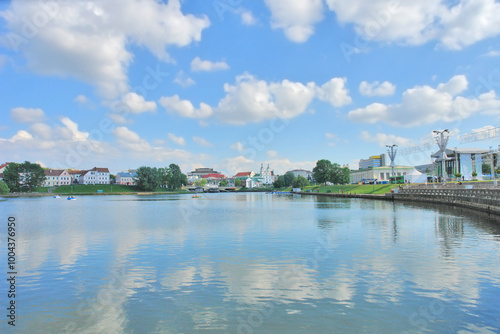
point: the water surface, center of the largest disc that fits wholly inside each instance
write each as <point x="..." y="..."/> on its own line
<point x="251" y="263"/>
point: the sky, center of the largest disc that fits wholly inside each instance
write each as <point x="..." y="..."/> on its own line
<point x="233" y="84"/>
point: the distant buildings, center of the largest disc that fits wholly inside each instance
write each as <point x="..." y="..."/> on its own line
<point x="56" y="177"/>
<point x="302" y="172"/>
<point x="466" y="161"/>
<point x="379" y="174"/>
<point x="126" y="178"/>
<point x="95" y="176"/>
<point x="200" y="172"/>
<point x="373" y="161"/>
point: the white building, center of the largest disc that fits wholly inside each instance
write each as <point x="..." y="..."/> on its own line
<point x="267" y="176"/>
<point x="126" y="178"/>
<point x="380" y="174"/>
<point x="95" y="176"/>
<point x="302" y="172"/>
<point x="56" y="177"/>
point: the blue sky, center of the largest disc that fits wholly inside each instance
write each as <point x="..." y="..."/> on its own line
<point x="231" y="84"/>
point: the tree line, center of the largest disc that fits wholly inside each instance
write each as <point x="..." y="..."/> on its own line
<point x="151" y="178"/>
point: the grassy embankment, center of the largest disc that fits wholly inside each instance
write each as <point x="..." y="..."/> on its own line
<point x="348" y="189"/>
<point x="107" y="189"/>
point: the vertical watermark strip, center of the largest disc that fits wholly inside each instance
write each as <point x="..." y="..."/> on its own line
<point x="11" y="270"/>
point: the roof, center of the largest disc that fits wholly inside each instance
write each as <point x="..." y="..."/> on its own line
<point x="462" y="150"/>
<point x="73" y="172"/>
<point x="100" y="170"/>
<point x="243" y="174"/>
<point x="53" y="172"/>
<point x="214" y="175"/>
<point x="5" y="165"/>
<point x="127" y="174"/>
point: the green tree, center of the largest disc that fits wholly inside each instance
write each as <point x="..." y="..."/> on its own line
<point x="11" y="177"/>
<point x="223" y="183"/>
<point x="148" y="179"/>
<point x="4" y="189"/>
<point x="176" y="179"/>
<point x="237" y="183"/>
<point x="27" y="174"/>
<point x="323" y="171"/>
<point x="201" y="182"/>
<point x="339" y="175"/>
<point x="288" y="179"/>
<point x="300" y="182"/>
<point x="486" y="168"/>
<point x="280" y="182"/>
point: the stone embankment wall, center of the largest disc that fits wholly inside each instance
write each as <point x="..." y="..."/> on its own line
<point x="486" y="200"/>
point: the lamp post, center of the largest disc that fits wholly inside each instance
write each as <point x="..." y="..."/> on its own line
<point x="392" y="155"/>
<point x="442" y="140"/>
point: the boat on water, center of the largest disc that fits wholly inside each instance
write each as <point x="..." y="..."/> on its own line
<point x="57" y="196"/>
<point x="196" y="196"/>
<point x="71" y="198"/>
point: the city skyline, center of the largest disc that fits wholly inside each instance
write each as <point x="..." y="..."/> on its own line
<point x="233" y="84"/>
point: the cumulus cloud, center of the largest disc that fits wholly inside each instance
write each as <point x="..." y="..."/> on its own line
<point x="296" y="17"/>
<point x="333" y="139"/>
<point x="272" y="154"/>
<point x="334" y="92"/>
<point x="135" y="104"/>
<point x="202" y="142"/>
<point x="376" y="88"/>
<point x="185" y="108"/>
<point x="427" y="105"/>
<point x="198" y="65"/>
<point x="383" y="139"/>
<point x="238" y="146"/>
<point x="247" y="18"/>
<point x="81" y="99"/>
<point x="88" y="39"/>
<point x="183" y="80"/>
<point x="178" y="140"/>
<point x="454" y="24"/>
<point x="253" y="100"/>
<point x="27" y="115"/>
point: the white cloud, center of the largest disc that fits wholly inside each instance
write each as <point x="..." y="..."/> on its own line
<point x="238" y="146"/>
<point x="178" y="140"/>
<point x="492" y="53"/>
<point x="253" y="100"/>
<point x="202" y="142"/>
<point x="383" y="139"/>
<point x="333" y="138"/>
<point x="376" y="88"/>
<point x="87" y="40"/>
<point x="135" y="104"/>
<point x="27" y="115"/>
<point x="427" y="105"/>
<point x="71" y="129"/>
<point x="295" y="17"/>
<point x="183" y="80"/>
<point x="272" y="154"/>
<point x="185" y="108"/>
<point x="21" y="135"/>
<point x="130" y="140"/>
<point x="81" y="99"/>
<point x="3" y="60"/>
<point x="198" y="65"/>
<point x="247" y="18"/>
<point x="454" y="24"/>
<point x="334" y="92"/>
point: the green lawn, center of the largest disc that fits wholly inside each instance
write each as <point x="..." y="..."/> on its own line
<point x="354" y="189"/>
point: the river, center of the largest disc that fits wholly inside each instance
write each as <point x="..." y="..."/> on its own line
<point x="249" y="263"/>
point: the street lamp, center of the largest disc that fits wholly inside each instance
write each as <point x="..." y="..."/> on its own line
<point x="392" y="155"/>
<point x="442" y="140"/>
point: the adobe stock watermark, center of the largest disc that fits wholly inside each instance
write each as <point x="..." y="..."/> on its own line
<point x="223" y="6"/>
<point x="31" y="25"/>
<point x="371" y="29"/>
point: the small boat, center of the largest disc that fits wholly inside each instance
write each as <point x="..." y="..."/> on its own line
<point x="196" y="196"/>
<point x="71" y="198"/>
<point x="57" y="196"/>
